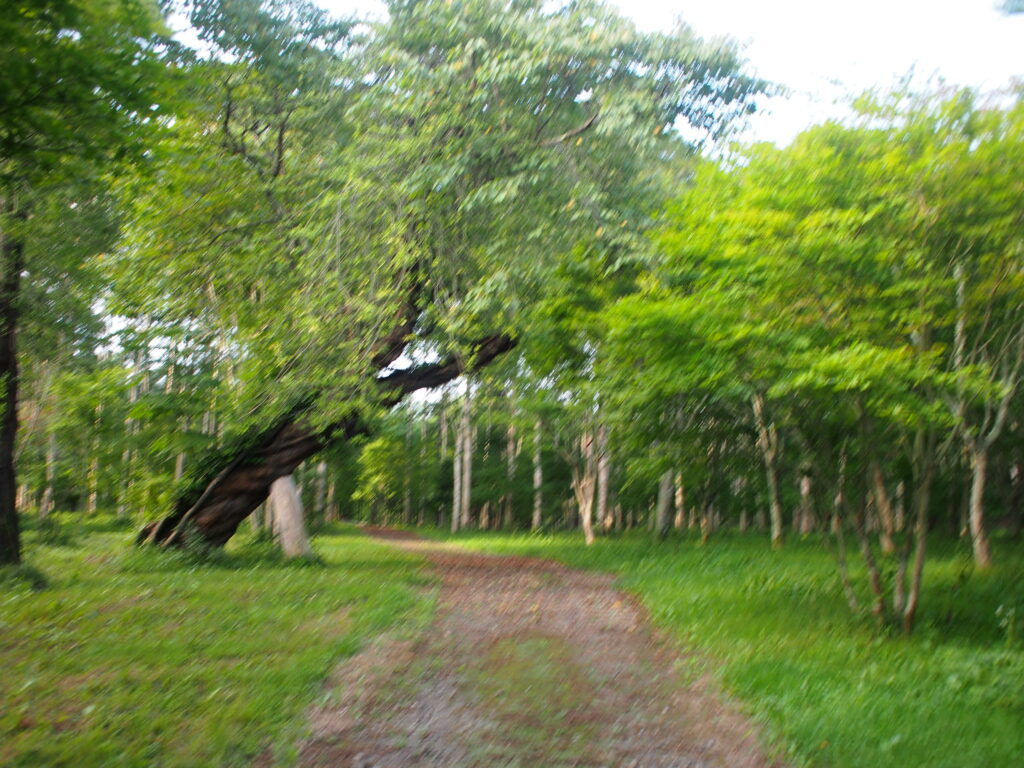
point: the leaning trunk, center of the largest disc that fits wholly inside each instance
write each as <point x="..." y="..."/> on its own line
<point x="238" y="481"/>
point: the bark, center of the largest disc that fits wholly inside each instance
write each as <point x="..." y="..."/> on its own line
<point x="12" y="256"/>
<point x="584" y="481"/>
<point x="466" y="433"/>
<point x="321" y="490"/>
<point x="768" y="442"/>
<point x="886" y="517"/>
<point x="680" y="502"/>
<point x="976" y="513"/>
<point x="511" y="452"/>
<point x="663" y="518"/>
<point x="1014" y="511"/>
<point x="457" y="483"/>
<point x="806" y="506"/>
<point x="288" y="518"/>
<point x="237" y="481"/>
<point x="46" y="504"/>
<point x="924" y="467"/>
<point x="603" y="473"/>
<point x="536" y="519"/>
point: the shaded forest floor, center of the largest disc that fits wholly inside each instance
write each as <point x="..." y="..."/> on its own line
<point x="527" y="663"/>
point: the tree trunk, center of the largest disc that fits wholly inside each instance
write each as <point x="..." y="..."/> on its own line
<point x="680" y="502"/>
<point x="12" y="255"/>
<point x="663" y="517"/>
<point x="806" y="506"/>
<point x="538" y="476"/>
<point x="604" y="517"/>
<point x="46" y="504"/>
<point x="584" y="480"/>
<point x="1016" y="486"/>
<point x="466" y="433"/>
<point x="288" y="518"/>
<point x="768" y="442"/>
<point x="238" y="479"/>
<point x="320" y="508"/>
<point x="457" y="483"/>
<point x="976" y="514"/>
<point x="884" y="507"/>
<point x="510" y="474"/>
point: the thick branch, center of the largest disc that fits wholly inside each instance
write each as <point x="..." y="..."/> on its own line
<point x="572" y="134"/>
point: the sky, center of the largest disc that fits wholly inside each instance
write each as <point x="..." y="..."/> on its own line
<point x="826" y="50"/>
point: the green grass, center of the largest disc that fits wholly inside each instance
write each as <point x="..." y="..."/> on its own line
<point x="832" y="690"/>
<point x="113" y="656"/>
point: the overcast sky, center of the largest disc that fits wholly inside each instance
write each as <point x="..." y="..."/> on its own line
<point x="825" y="49"/>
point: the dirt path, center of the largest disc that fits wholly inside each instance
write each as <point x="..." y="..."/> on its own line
<point x="527" y="663"/>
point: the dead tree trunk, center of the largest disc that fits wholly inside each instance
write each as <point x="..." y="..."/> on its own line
<point x="238" y="480"/>
<point x="289" y="522"/>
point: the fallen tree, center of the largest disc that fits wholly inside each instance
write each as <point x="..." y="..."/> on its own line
<point x="239" y="479"/>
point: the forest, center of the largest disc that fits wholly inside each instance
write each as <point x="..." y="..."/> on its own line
<point x="288" y="298"/>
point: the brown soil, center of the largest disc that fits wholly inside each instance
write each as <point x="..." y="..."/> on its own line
<point x="527" y="663"/>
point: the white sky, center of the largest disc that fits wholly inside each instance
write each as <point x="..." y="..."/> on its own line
<point x="825" y="49"/>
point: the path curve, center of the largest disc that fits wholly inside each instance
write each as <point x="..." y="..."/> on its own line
<point x="527" y="663"/>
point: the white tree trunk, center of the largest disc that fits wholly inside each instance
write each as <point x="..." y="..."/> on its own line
<point x="603" y="474"/>
<point x="538" y="476"/>
<point x="456" y="481"/>
<point x="466" y="431"/>
<point x="46" y="505"/>
<point x="976" y="516"/>
<point x="288" y="518"/>
<point x="663" y="518"/>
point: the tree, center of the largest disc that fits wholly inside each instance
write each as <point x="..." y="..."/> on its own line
<point x="76" y="91"/>
<point x="417" y="208"/>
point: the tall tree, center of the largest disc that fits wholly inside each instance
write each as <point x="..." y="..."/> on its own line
<point x="76" y="92"/>
<point x="414" y="209"/>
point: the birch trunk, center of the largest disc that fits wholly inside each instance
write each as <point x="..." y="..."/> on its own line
<point x="976" y="513"/>
<point x="466" y="431"/>
<point x="663" y="518"/>
<point x="457" y="483"/>
<point x="46" y="503"/>
<point x="680" y="502"/>
<point x="288" y="518"/>
<point x="883" y="504"/>
<point x="584" y="480"/>
<point x="538" y="476"/>
<point x="603" y="473"/>
<point x="768" y="442"/>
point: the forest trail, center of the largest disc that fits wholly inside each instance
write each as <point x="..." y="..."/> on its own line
<point x="526" y="663"/>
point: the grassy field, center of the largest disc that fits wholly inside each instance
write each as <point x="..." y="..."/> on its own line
<point x="832" y="690"/>
<point x="142" y="658"/>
